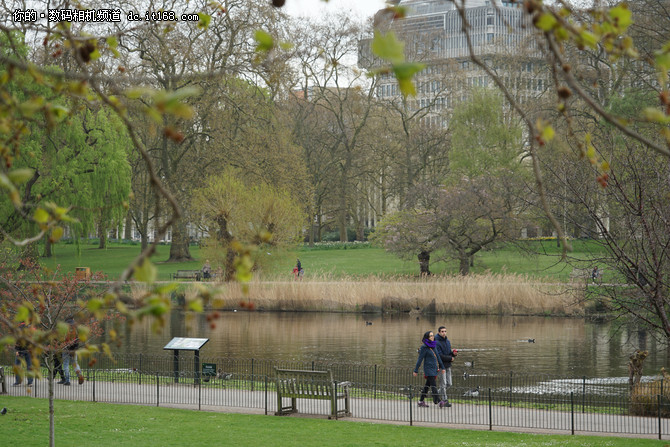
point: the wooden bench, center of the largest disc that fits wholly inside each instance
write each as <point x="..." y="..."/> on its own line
<point x="301" y="384"/>
<point x="187" y="274"/>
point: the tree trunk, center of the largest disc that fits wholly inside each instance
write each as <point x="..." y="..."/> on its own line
<point x="464" y="264"/>
<point x="225" y="239"/>
<point x="50" y="378"/>
<point x="360" y="226"/>
<point x="424" y="263"/>
<point x="342" y="225"/>
<point x="128" y="230"/>
<point x="311" y="231"/>
<point x="342" y="212"/>
<point x="102" y="235"/>
<point x="47" y="248"/>
<point x="179" y="250"/>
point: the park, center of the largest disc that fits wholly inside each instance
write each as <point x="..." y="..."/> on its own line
<point x="224" y="207"/>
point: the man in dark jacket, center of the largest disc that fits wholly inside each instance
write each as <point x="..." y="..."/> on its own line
<point x="447" y="356"/>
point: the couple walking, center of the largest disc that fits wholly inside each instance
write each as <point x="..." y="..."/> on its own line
<point x="436" y="355"/>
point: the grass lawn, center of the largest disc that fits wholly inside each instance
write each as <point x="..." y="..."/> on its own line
<point x="84" y="423"/>
<point x="537" y="258"/>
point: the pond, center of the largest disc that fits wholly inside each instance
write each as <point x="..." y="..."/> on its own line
<point x="566" y="347"/>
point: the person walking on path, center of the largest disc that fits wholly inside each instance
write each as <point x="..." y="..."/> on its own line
<point x="432" y="364"/>
<point x="22" y="356"/>
<point x="52" y="359"/>
<point x="298" y="271"/>
<point x="70" y="352"/>
<point x="207" y="270"/>
<point x="447" y="355"/>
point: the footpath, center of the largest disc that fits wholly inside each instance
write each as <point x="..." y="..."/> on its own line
<point x="397" y="410"/>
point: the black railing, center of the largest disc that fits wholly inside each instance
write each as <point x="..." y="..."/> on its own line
<point x="533" y="401"/>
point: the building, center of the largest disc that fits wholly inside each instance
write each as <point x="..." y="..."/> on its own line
<point x="433" y="34"/>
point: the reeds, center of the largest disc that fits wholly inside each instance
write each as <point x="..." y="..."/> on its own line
<point x="470" y="295"/>
<point x="644" y="398"/>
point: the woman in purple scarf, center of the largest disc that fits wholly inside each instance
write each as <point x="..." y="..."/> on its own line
<point x="432" y="364"/>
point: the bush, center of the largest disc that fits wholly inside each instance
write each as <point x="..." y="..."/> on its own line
<point x="334" y="236"/>
<point x="337" y="245"/>
<point x="644" y="398"/>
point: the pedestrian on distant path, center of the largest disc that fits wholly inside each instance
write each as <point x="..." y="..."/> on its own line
<point x="432" y="364"/>
<point x="70" y="353"/>
<point x="207" y="270"/>
<point x="447" y="355"/>
<point x="298" y="271"/>
<point x="52" y="358"/>
<point x="22" y="356"/>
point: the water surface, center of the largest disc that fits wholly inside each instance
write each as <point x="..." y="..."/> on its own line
<point x="567" y="347"/>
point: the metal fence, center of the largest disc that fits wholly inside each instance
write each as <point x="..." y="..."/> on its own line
<point x="479" y="398"/>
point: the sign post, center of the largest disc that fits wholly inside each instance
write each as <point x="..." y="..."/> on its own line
<point x="186" y="344"/>
<point x="208" y="371"/>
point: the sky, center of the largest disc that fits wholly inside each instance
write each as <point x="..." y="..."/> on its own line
<point x="319" y="8"/>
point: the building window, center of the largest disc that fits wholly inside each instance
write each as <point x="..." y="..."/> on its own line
<point x="489" y="37"/>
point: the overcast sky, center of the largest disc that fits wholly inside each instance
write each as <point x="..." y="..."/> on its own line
<point x="317" y="8"/>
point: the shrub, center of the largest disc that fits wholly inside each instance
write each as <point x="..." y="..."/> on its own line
<point x="644" y="397"/>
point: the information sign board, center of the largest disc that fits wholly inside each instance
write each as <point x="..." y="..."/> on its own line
<point x="186" y="344"/>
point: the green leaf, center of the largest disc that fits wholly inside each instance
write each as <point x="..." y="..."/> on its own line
<point x="622" y="16"/>
<point x="589" y="39"/>
<point x="265" y="41"/>
<point x="387" y="47"/>
<point x="56" y="234"/>
<point x="146" y="272"/>
<point x="663" y="61"/>
<point x="591" y="152"/>
<point x="548" y="133"/>
<point x="112" y="42"/>
<point x="204" y="20"/>
<point x="181" y="110"/>
<point x="196" y="305"/>
<point x="62" y="328"/>
<point x="546" y="22"/>
<point x="7" y="341"/>
<point x="58" y="111"/>
<point x="404" y="73"/>
<point x="94" y="304"/>
<point x="41" y="216"/>
<point x="28" y="108"/>
<point x="136" y="93"/>
<point x="655" y="115"/>
<point x="20" y="176"/>
<point x="22" y="314"/>
<point x="168" y="288"/>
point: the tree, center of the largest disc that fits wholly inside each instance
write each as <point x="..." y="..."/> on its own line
<point x="335" y="90"/>
<point x="411" y="232"/>
<point x="43" y="308"/>
<point x="627" y="218"/>
<point x="236" y="212"/>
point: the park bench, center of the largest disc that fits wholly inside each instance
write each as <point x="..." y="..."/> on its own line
<point x="301" y="384"/>
<point x="187" y="274"/>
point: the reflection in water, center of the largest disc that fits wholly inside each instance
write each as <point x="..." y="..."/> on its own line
<point x="563" y="346"/>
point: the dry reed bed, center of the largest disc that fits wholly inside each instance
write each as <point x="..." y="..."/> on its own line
<point x="476" y="294"/>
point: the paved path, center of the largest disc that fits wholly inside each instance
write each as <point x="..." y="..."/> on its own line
<point x="397" y="411"/>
